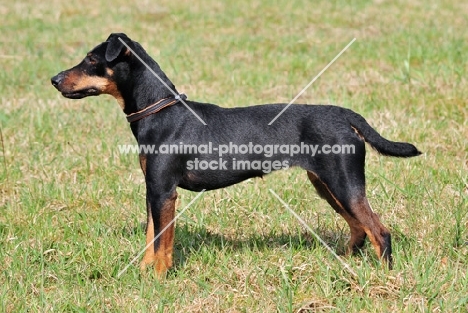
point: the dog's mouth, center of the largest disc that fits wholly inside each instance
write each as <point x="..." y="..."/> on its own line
<point x="79" y="94"/>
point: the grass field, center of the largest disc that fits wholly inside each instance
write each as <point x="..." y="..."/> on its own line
<point x="71" y="206"/>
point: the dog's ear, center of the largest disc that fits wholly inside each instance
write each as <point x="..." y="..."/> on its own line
<point x="115" y="46"/>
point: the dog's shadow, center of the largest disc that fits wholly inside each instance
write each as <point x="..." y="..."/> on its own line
<point x="193" y="240"/>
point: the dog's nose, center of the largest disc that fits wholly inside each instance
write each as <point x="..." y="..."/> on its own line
<point x="56" y="80"/>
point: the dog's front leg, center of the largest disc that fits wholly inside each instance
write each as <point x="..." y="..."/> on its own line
<point x="148" y="259"/>
<point x="160" y="202"/>
<point x="160" y="234"/>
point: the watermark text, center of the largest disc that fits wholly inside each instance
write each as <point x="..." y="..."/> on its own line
<point x="267" y="150"/>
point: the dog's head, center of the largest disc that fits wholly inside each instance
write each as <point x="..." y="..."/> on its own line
<point x="96" y="73"/>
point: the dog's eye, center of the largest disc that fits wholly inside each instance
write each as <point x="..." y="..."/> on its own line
<point x="91" y="59"/>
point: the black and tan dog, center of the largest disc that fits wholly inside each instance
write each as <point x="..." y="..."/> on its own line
<point x="159" y="118"/>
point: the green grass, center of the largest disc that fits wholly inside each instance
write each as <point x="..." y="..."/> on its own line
<point x="71" y="206"/>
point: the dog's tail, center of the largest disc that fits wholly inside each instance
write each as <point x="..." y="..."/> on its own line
<point x="379" y="143"/>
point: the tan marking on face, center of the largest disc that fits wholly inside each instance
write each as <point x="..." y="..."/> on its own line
<point x="77" y="81"/>
<point x="86" y="82"/>
<point x="68" y="84"/>
<point x="111" y="89"/>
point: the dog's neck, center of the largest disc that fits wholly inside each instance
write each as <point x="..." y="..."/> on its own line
<point x="147" y="88"/>
<point x="155" y="108"/>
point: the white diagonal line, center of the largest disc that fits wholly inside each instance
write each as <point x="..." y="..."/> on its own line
<point x="313" y="233"/>
<point x="313" y="80"/>
<point x="160" y="233"/>
<point x="162" y="81"/>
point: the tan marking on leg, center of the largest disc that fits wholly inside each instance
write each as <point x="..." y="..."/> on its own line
<point x="357" y="231"/>
<point x="375" y="242"/>
<point x="358" y="234"/>
<point x="143" y="163"/>
<point x="163" y="254"/>
<point x="372" y="225"/>
<point x="365" y="220"/>
<point x="148" y="258"/>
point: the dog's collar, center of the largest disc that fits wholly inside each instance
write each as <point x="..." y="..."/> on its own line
<point x="154" y="108"/>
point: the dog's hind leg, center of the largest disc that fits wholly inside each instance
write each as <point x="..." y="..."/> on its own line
<point x="349" y="201"/>
<point x="378" y="234"/>
<point x="358" y="235"/>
